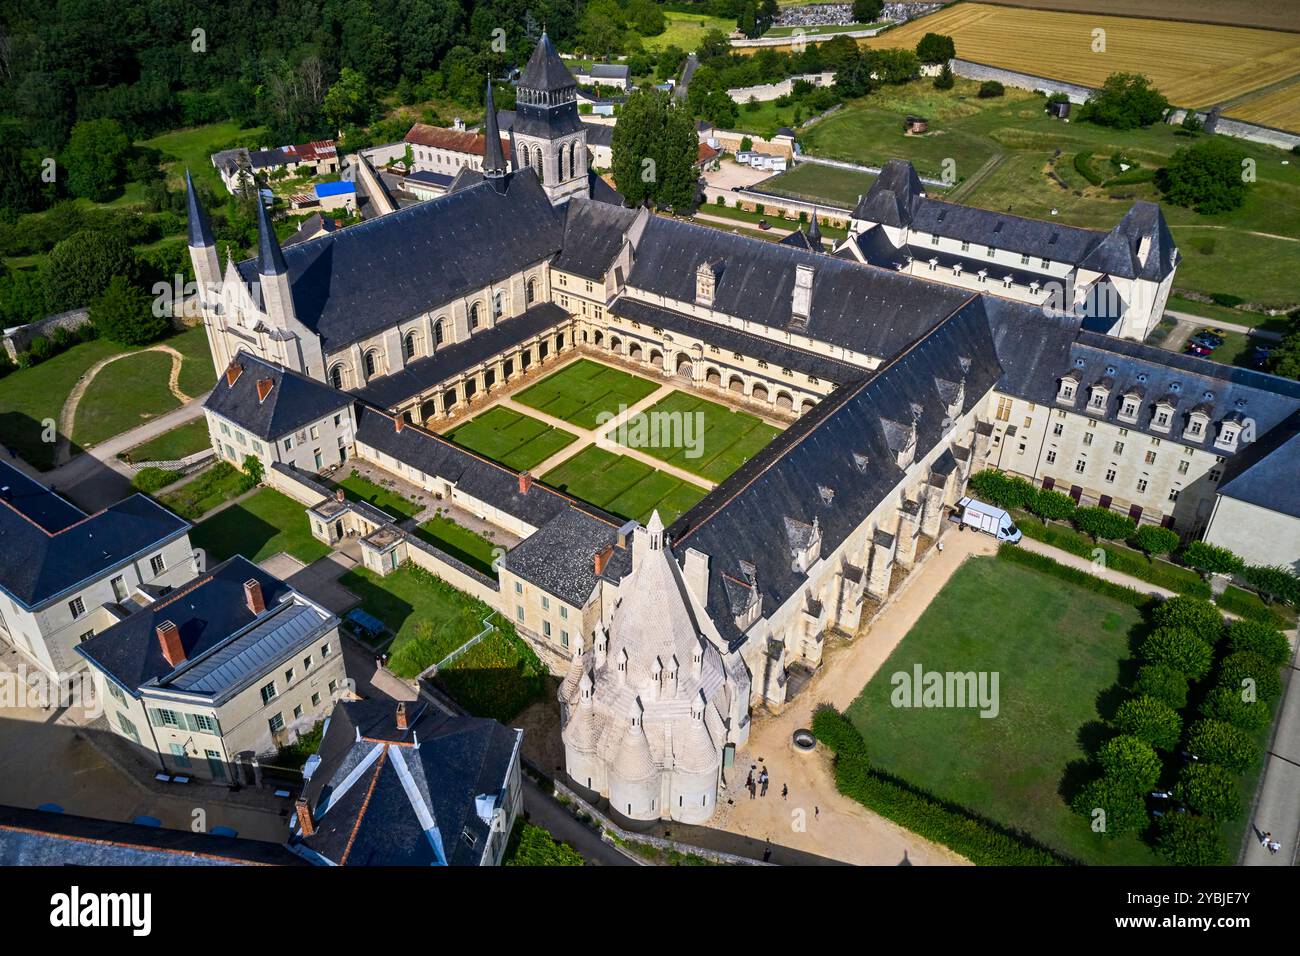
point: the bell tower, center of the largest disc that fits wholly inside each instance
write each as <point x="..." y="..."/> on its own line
<point x="549" y="135"/>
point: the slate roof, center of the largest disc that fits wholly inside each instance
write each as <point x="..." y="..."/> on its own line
<point x="560" y="556"/>
<point x="386" y="797"/>
<point x="547" y="75"/>
<point x="608" y="71"/>
<point x="294" y="401"/>
<point x="200" y="230"/>
<point x="226" y="645"/>
<point x="594" y="233"/>
<point x="1264" y="473"/>
<point x="361" y="280"/>
<point x="308" y="230"/>
<point x="44" y="838"/>
<point x="545" y="71"/>
<point x="599" y="134"/>
<point x="49" y="546"/>
<point x="861" y="308"/>
<point x="840" y="445"/>
<point x="450" y="360"/>
<point x="1119" y="253"/>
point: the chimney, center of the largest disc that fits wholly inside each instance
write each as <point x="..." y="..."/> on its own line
<point x="253" y="596"/>
<point x="525" y="482"/>
<point x="801" y="299"/>
<point x="706" y="282"/>
<point x="696" y="573"/>
<point x="305" y="824"/>
<point x="601" y="559"/>
<point x="264" y="386"/>
<point x="170" y="640"/>
<point x="397" y="423"/>
<point x="401" y="715"/>
<point x="338" y="495"/>
<point x="233" y="371"/>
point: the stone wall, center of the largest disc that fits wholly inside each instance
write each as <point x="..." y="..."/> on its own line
<point x="21" y="337"/>
<point x="1025" y="81"/>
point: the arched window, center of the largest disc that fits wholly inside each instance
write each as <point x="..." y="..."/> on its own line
<point x="498" y="304"/>
<point x="408" y="346"/>
<point x="573" y="159"/>
<point x="530" y="292"/>
<point x="372" y="363"/>
<point x="336" y="376"/>
<point x="474" y="315"/>
<point x="437" y="333"/>
<point x="541" y="169"/>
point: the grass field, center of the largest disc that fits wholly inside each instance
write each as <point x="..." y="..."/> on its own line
<point x="125" y="393"/>
<point x="685" y="30"/>
<point x="623" y="485"/>
<point x="744" y="218"/>
<point x="261" y="525"/>
<point x="726" y="441"/>
<point x="830" y="184"/>
<point x="1058" y="651"/>
<point x="172" y="445"/>
<point x="1003" y="150"/>
<point x="358" y="488"/>
<point x="580" y="392"/>
<point x="194" y="147"/>
<point x="1198" y="64"/>
<point x="460" y="542"/>
<point x="218" y="483"/>
<point x="514" y="439"/>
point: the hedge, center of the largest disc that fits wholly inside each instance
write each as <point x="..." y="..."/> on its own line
<point x="1090" y="582"/>
<point x="978" y="840"/>
<point x="1259" y="637"/>
<point x="1083" y="166"/>
<point x="1245" y="604"/>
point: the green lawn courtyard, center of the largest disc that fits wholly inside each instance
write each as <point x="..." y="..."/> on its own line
<point x="358" y="488"/>
<point x="623" y="485"/>
<point x="261" y="525"/>
<point x="514" y="439"/>
<point x="173" y="445"/>
<point x="459" y="542"/>
<point x="1059" y="651"/>
<point x="579" y="392"/>
<point x="712" y="445"/>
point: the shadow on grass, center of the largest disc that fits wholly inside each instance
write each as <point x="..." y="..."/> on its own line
<point x="232" y="531"/>
<point x="24" y="437"/>
<point x="379" y="601"/>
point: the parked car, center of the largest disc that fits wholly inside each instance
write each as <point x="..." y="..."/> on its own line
<point x="1209" y="330"/>
<point x="736" y="189"/>
<point x="1194" y="349"/>
<point x="764" y="224"/>
<point x="1207" y="341"/>
<point x="985" y="517"/>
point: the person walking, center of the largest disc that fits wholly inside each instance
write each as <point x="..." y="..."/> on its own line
<point x="785" y="791"/>
<point x="1274" y="846"/>
<point x="762" y="782"/>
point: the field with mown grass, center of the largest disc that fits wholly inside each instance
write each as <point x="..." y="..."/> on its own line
<point x="510" y="437"/>
<point x="624" y="486"/>
<point x="179" y="442"/>
<point x="261" y="525"/>
<point x="583" y="390"/>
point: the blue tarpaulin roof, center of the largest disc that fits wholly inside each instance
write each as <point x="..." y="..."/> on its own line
<point x="368" y="621"/>
<point x="334" y="189"/>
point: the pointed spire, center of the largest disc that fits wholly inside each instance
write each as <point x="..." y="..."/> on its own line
<point x="815" y="232"/>
<point x="270" y="260"/>
<point x="494" y="160"/>
<point x="200" y="229"/>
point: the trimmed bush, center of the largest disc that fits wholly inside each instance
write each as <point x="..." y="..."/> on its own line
<point x="1163" y="683"/>
<point x="1150" y="720"/>
<point x="1244" y="603"/>
<point x="1179" y="648"/>
<point x="1153" y="540"/>
<point x="1052" y="505"/>
<point x="1131" y="763"/>
<point x="1103" y="523"/>
<point x="909" y="807"/>
<point x="1244" y="671"/>
<point x="1124" y="810"/>
<point x="1227" y="704"/>
<point x="1274" y="581"/>
<point x="1185" y="839"/>
<point x="1083" y="166"/>
<point x="1211" y="559"/>
<point x="1209" y="790"/>
<point x="1195" y="614"/>
<point x="150" y="480"/>
<point x="990" y="89"/>
<point x="1258" y="638"/>
<point x="999" y="488"/>
<point x="1214" y="741"/>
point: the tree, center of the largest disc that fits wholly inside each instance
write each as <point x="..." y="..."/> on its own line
<point x="80" y="267"/>
<point x="1185" y="839"/>
<point x="1125" y="810"/>
<point x="253" y="469"/>
<point x="894" y="66"/>
<point x="1103" y="523"/>
<point x="1052" y="505"/>
<point x="1196" y="614"/>
<point x="1125" y="101"/>
<point x="1154" y="541"/>
<point x="654" y="150"/>
<point x="1162" y="683"/>
<point x="867" y="11"/>
<point x="348" y="100"/>
<point x="746" y="144"/>
<point x="936" y="48"/>
<point x="530" y="845"/>
<point x="1211" y="559"/>
<point x="1209" y="790"/>
<point x="1273" y="582"/>
<point x="1151" y="720"/>
<point x="125" y="315"/>
<point x="1179" y="648"/>
<point x="95" y="159"/>
<point x="1207" y="176"/>
<point x="1221" y="743"/>
<point x="1252" y="674"/>
<point x="945" y="80"/>
<point x="1260" y="639"/>
<point x="991" y="89"/>
<point x="1228" y="705"/>
<point x="1129" y="762"/>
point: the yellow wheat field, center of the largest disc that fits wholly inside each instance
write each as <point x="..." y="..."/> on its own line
<point x="1194" y="64"/>
<point x="1279" y="108"/>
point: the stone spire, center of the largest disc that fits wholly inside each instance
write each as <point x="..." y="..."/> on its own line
<point x="815" y="232"/>
<point x="494" y="160"/>
<point x="199" y="228"/>
<point x="270" y="260"/>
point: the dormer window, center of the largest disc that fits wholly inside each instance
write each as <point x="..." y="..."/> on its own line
<point x="1128" y="409"/>
<point x="1228" y="434"/>
<point x="1097" y="400"/>
<point x="1163" y="416"/>
<point x="1066" y="391"/>
<point x="1196" y="426"/>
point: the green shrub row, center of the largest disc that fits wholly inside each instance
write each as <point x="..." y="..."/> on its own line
<point x="1083" y="166"/>
<point x="959" y="830"/>
<point x="1090" y="582"/>
<point x="150" y="480"/>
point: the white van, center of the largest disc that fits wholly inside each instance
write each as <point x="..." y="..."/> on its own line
<point x="984" y="517"/>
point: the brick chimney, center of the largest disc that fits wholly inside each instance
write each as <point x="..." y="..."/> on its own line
<point x="525" y="482"/>
<point x="397" y="423"/>
<point x="170" y="640"/>
<point x="264" y="386"/>
<point x="338" y="495"/>
<point x="401" y="715"/>
<point x="601" y="558"/>
<point x="253" y="596"/>
<point x="305" y="824"/>
<point x="233" y="371"/>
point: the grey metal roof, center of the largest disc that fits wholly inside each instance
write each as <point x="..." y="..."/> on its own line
<point x="49" y="546"/>
<point x="545" y="71"/>
<point x="494" y="159"/>
<point x="355" y="282"/>
<point x="270" y="260"/>
<point x="294" y="401"/>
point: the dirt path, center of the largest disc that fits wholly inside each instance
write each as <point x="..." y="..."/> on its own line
<point x="68" y="414"/>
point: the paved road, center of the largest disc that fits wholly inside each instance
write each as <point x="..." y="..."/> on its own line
<point x="1277" y="803"/>
<point x="1200" y="320"/>
<point x="550" y="815"/>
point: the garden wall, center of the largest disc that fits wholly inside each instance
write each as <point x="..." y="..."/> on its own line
<point x="1024" y="81"/>
<point x="455" y="572"/>
<point x="290" y="481"/>
<point x="21" y="337"/>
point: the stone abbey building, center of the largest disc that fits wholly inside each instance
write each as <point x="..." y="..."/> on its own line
<point x="896" y="386"/>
